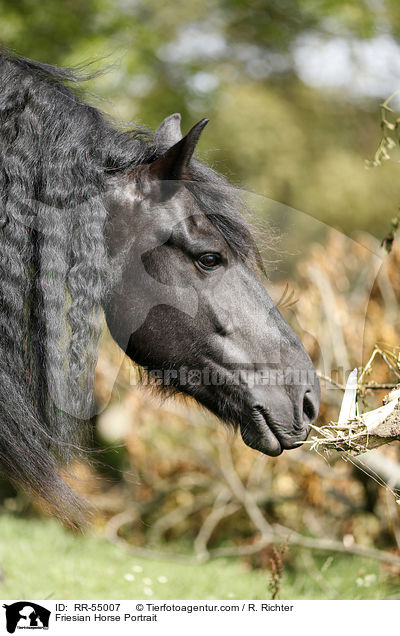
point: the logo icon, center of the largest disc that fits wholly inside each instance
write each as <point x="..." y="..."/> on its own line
<point x="26" y="615"/>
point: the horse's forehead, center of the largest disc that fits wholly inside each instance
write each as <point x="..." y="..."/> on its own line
<point x="181" y="208"/>
<point x="152" y="210"/>
<point x="177" y="208"/>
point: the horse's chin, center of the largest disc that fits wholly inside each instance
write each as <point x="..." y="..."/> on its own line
<point x="257" y="434"/>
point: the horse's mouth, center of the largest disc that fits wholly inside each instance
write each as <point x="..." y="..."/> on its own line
<point x="257" y="433"/>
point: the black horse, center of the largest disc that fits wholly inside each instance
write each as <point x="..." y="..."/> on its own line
<point x="94" y="219"/>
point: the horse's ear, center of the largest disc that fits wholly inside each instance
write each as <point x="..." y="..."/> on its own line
<point x="169" y="131"/>
<point x="174" y="163"/>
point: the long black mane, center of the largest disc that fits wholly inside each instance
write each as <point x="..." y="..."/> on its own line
<point x="57" y="154"/>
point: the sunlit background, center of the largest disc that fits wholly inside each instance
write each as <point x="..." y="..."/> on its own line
<point x="293" y="91"/>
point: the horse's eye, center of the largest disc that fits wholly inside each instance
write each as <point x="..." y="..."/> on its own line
<point x="209" y="261"/>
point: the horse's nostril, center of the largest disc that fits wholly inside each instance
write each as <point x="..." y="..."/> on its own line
<point x="310" y="411"/>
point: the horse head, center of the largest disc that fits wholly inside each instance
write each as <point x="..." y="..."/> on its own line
<point x="186" y="302"/>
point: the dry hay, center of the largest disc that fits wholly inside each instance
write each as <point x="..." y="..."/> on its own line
<point x="357" y="433"/>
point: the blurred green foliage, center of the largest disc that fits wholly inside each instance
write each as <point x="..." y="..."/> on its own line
<point x="232" y="60"/>
<point x="89" y="567"/>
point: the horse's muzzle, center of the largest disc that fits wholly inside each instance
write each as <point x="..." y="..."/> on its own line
<point x="274" y="428"/>
<point x="258" y="434"/>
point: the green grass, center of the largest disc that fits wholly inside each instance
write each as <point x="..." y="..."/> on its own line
<point x="40" y="559"/>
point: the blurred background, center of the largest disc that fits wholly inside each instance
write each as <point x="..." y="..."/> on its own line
<point x="293" y="91"/>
